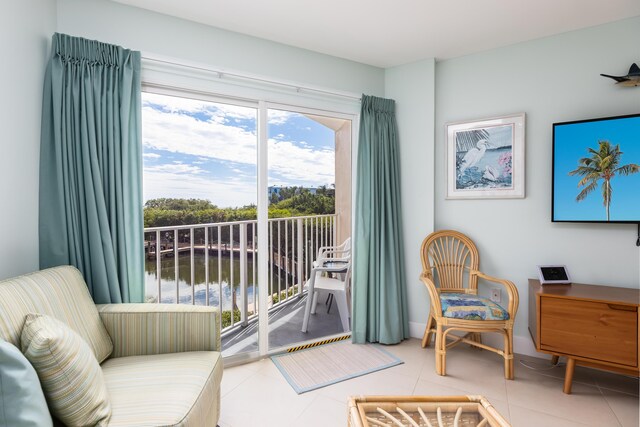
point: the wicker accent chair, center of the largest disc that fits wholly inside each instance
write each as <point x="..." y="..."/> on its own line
<point x="451" y="259"/>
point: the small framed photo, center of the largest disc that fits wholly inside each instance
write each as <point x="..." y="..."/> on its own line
<point x="485" y="158"/>
<point x="553" y="275"/>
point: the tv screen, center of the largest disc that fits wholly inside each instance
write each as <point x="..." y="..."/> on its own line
<point x="596" y="170"/>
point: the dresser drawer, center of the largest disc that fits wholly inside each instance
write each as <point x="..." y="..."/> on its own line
<point x="599" y="331"/>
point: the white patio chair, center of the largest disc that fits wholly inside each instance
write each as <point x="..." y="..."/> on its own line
<point x="340" y="253"/>
<point x="333" y="254"/>
<point x="338" y="286"/>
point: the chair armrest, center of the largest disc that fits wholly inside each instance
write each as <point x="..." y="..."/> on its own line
<point x="324" y="248"/>
<point x="343" y="260"/>
<point x="340" y="267"/>
<point x="340" y="246"/>
<point x="512" y="291"/>
<point x="146" y="329"/>
<point x="334" y="251"/>
<point x="434" y="295"/>
<point x="330" y="254"/>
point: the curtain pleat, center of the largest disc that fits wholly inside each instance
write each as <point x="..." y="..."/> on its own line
<point x="90" y="167"/>
<point x="379" y="294"/>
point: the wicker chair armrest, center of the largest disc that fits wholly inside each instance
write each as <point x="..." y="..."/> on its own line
<point x="434" y="294"/>
<point x="146" y="329"/>
<point x="512" y="290"/>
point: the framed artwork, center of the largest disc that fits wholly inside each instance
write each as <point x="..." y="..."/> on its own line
<point x="485" y="158"/>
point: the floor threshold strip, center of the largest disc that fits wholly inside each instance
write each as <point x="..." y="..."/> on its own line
<point x="317" y="343"/>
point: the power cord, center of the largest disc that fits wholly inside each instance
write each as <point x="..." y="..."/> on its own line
<point x="542" y="368"/>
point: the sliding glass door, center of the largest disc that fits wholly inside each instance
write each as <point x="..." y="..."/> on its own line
<point x="200" y="207"/>
<point x="238" y="198"/>
<point x="308" y="200"/>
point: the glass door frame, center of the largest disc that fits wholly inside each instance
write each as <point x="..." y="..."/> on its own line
<point x="263" y="160"/>
<point x="263" y="106"/>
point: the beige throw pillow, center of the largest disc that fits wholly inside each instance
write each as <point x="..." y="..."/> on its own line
<point x="70" y="375"/>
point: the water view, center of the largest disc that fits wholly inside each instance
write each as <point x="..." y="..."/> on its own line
<point x="168" y="282"/>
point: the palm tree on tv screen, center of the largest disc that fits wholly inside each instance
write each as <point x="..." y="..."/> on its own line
<point x="604" y="164"/>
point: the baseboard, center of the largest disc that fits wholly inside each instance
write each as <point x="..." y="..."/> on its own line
<point x="416" y="330"/>
<point x="521" y="344"/>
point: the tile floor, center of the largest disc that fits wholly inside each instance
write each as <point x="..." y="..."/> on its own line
<point x="257" y="394"/>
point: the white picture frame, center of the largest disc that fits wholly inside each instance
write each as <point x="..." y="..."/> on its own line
<point x="486" y="158"/>
<point x="548" y="275"/>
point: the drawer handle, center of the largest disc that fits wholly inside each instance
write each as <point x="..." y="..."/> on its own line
<point x="622" y="307"/>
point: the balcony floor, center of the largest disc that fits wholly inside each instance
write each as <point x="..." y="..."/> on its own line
<point x="284" y="328"/>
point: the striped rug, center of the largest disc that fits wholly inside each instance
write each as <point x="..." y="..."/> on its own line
<point x="328" y="364"/>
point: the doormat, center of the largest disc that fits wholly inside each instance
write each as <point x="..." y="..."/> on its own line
<point x="321" y="366"/>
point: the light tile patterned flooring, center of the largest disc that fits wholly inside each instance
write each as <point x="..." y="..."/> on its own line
<point x="257" y="394"/>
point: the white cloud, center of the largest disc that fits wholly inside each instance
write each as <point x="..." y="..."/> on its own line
<point x="279" y="117"/>
<point x="293" y="162"/>
<point x="217" y="111"/>
<point x="174" y="168"/>
<point x="151" y="155"/>
<point x="181" y="133"/>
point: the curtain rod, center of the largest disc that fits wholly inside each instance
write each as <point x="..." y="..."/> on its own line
<point x="222" y="73"/>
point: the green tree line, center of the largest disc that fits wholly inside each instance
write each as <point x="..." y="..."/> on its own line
<point x="292" y="201"/>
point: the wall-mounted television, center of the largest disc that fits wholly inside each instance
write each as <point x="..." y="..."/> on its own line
<point x="596" y="170"/>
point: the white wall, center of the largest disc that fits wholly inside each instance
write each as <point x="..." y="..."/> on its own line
<point x="155" y="33"/>
<point x="553" y="79"/>
<point x="412" y="87"/>
<point x="26" y="27"/>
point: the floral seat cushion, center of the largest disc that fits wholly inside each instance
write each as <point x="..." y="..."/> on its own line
<point x="471" y="307"/>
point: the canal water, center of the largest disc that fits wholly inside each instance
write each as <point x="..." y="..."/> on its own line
<point x="168" y="282"/>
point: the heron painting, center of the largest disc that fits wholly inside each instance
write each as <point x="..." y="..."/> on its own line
<point x="481" y="157"/>
<point x="484" y="158"/>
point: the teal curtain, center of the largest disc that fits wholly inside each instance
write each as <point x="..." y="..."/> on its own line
<point x="379" y="309"/>
<point x="90" y="167"/>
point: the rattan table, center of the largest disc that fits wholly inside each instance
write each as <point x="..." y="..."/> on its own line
<point x="427" y="411"/>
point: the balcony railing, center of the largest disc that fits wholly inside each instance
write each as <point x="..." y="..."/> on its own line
<point x="220" y="260"/>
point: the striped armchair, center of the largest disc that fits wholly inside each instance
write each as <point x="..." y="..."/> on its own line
<point x="161" y="363"/>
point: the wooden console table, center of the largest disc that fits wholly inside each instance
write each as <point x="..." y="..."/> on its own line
<point x="591" y="325"/>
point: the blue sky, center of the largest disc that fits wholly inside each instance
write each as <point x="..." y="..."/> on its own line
<point x="200" y="149"/>
<point x="571" y="143"/>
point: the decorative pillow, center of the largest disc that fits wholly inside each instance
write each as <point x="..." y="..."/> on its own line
<point x="471" y="307"/>
<point x="22" y="402"/>
<point x="69" y="372"/>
